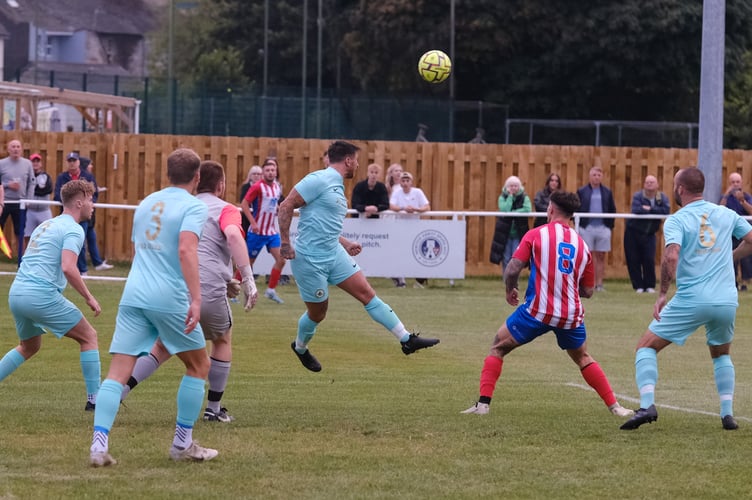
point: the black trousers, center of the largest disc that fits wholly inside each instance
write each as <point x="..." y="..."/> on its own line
<point x="639" y="250"/>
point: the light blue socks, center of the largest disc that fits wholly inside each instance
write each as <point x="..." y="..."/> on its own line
<point x="382" y="314"/>
<point x="92" y="371"/>
<point x="723" y="370"/>
<point x="190" y="400"/>
<point x="646" y="375"/>
<point x="306" y="329"/>
<point x="108" y="404"/>
<point x="10" y="362"/>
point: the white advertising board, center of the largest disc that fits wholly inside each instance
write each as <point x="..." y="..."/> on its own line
<point x="398" y="247"/>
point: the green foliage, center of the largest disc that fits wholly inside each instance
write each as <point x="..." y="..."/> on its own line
<point x="738" y="108"/>
<point x="618" y="59"/>
<point x="197" y="61"/>
<point x="220" y="69"/>
<point x="377" y="424"/>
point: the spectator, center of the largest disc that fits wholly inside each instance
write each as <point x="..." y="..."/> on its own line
<point x="370" y="195"/>
<point x="410" y="201"/>
<point x="740" y="202"/>
<point x="479" y="136"/>
<point x="17" y="176"/>
<point x="254" y="175"/>
<point x="553" y="183"/>
<point x="393" y="174"/>
<point x="75" y="172"/>
<point x="91" y="233"/>
<point x="421" y="137"/>
<point x="510" y="230"/>
<point x="639" y="235"/>
<point x="36" y="214"/>
<point x="597" y="199"/>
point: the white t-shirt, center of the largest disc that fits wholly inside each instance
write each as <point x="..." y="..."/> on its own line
<point x="416" y="198"/>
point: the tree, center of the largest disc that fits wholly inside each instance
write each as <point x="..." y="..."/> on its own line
<point x="625" y="59"/>
<point x="197" y="60"/>
<point x="738" y="108"/>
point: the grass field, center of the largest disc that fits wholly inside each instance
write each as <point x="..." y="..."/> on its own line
<point x="377" y="424"/>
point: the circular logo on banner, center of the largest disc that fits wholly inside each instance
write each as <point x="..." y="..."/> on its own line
<point x="430" y="248"/>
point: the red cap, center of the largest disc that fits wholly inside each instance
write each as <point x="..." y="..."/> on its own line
<point x="35" y="156"/>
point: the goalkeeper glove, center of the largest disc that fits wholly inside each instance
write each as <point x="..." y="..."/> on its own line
<point x="248" y="284"/>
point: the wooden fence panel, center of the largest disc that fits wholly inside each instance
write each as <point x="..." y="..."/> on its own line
<point x="455" y="177"/>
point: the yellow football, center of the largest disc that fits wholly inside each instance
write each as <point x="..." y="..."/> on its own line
<point x="434" y="66"/>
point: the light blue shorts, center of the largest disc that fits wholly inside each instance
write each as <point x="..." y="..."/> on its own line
<point x="598" y="238"/>
<point x="679" y="321"/>
<point x="314" y="274"/>
<point x="43" y="311"/>
<point x="257" y="242"/>
<point x="136" y="330"/>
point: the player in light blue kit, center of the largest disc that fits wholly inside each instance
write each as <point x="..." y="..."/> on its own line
<point x="698" y="254"/>
<point x="36" y="295"/>
<point x="161" y="299"/>
<point x="322" y="256"/>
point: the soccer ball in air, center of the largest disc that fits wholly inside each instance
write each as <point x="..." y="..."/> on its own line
<point x="434" y="66"/>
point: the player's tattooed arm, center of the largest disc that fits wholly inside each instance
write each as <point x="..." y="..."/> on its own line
<point x="668" y="266"/>
<point x="512" y="273"/>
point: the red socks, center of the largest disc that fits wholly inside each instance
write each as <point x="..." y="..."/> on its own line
<point x="489" y="375"/>
<point x="594" y="376"/>
<point x="274" y="278"/>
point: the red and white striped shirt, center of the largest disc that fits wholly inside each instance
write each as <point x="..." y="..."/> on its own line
<point x="269" y="195"/>
<point x="559" y="260"/>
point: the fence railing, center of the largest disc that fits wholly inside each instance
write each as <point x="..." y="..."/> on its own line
<point x="466" y="215"/>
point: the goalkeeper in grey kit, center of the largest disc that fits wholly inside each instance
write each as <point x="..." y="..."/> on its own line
<point x="221" y="243"/>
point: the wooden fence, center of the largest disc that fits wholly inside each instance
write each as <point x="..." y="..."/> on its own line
<point x="456" y="177"/>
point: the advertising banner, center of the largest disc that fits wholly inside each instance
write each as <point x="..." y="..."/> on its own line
<point x="395" y="247"/>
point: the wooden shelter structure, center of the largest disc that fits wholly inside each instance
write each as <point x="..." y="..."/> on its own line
<point x="103" y="113"/>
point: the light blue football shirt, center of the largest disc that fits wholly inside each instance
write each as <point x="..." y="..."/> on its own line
<point x="41" y="265"/>
<point x="705" y="271"/>
<point x="155" y="281"/>
<point x="322" y="217"/>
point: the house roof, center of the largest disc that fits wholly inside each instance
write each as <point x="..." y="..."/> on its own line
<point x="133" y="17"/>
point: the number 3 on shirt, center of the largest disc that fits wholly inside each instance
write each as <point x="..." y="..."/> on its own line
<point x="156" y="218"/>
<point x="565" y="258"/>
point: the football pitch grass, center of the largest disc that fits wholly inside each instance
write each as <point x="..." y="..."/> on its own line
<point x="378" y="424"/>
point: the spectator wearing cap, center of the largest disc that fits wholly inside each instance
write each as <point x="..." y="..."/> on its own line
<point x="17" y="177"/>
<point x="91" y="234"/>
<point x="75" y="172"/>
<point x="36" y="214"/>
<point x="410" y="202"/>
<point x="408" y="199"/>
